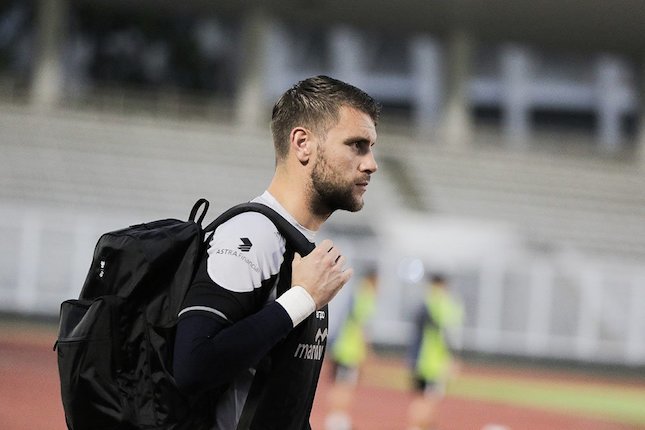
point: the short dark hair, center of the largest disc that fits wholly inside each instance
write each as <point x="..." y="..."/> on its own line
<point x="315" y="103"/>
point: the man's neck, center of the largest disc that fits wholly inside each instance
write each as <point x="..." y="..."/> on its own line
<point x="295" y="201"/>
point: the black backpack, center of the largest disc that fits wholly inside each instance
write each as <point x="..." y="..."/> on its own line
<point x="115" y="342"/>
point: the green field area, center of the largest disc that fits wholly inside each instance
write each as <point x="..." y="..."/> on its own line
<point x="594" y="398"/>
<point x="603" y="401"/>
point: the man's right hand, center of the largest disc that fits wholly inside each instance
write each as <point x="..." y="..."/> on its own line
<point x="321" y="273"/>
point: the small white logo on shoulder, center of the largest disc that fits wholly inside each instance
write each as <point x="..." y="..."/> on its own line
<point x="320" y="315"/>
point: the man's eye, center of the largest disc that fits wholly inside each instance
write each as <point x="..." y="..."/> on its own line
<point x="360" y="146"/>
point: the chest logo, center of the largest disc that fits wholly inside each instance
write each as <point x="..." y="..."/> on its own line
<point x="321" y="335"/>
<point x="312" y="351"/>
<point x="246" y="244"/>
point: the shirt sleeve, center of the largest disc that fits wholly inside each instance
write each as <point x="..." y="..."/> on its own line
<point x="240" y="270"/>
<point x="244" y="252"/>
<point x="228" y="321"/>
<point x="209" y="354"/>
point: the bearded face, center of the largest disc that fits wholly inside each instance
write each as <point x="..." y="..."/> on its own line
<point x="342" y="163"/>
<point x="331" y="189"/>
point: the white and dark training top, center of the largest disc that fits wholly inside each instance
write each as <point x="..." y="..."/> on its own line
<point x="245" y="255"/>
<point x="240" y="310"/>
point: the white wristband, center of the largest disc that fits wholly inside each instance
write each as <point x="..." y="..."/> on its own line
<point x="298" y="303"/>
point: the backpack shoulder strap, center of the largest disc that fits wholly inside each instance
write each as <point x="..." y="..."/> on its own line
<point x="299" y="243"/>
<point x="293" y="236"/>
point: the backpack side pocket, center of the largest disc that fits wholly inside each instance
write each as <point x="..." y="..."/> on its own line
<point x="87" y="364"/>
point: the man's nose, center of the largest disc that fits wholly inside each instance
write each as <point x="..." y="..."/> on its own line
<point x="369" y="163"/>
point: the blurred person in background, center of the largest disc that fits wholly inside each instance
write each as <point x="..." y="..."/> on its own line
<point x="261" y="352"/>
<point x="432" y="358"/>
<point x="349" y="351"/>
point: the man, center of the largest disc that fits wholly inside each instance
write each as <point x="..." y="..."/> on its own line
<point x="349" y="351"/>
<point x="238" y="335"/>
<point x="432" y="359"/>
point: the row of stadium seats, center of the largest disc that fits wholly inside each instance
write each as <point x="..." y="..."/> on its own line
<point x="556" y="200"/>
<point x="157" y="166"/>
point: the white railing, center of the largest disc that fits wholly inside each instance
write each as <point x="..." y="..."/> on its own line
<point x="517" y="303"/>
<point x="556" y="307"/>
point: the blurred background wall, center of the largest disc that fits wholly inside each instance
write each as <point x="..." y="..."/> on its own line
<point x="510" y="149"/>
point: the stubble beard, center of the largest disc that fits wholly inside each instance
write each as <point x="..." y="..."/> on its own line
<point x="329" y="192"/>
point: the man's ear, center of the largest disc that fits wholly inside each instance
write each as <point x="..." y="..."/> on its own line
<point x="301" y="141"/>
